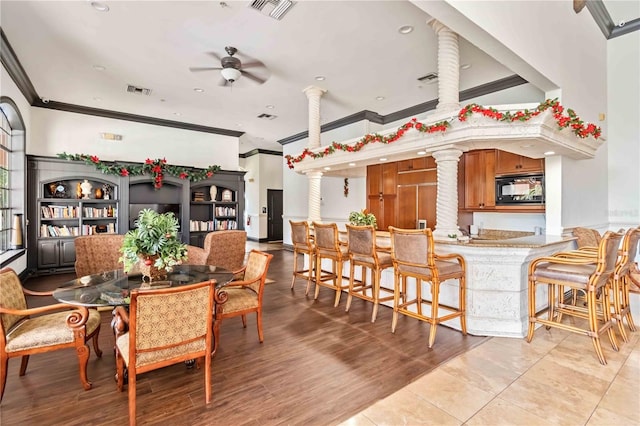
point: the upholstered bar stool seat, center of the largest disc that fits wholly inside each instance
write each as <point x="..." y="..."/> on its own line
<point x="590" y="274"/>
<point x="416" y="262"/>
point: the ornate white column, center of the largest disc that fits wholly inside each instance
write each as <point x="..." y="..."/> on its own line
<point x="313" y="95"/>
<point x="447" y="198"/>
<point x="315" y="177"/>
<point x="448" y="68"/>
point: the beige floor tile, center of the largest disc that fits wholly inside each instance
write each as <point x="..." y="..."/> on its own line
<point x="605" y="417"/>
<point x="358" y="420"/>
<point x="623" y="398"/>
<point x="406" y="408"/>
<point x="557" y="406"/>
<point x="500" y="412"/>
<point x="487" y="374"/>
<point x="580" y="356"/>
<point x="518" y="356"/>
<point x="452" y="394"/>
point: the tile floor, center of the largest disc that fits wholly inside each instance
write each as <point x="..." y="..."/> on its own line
<point x="554" y="380"/>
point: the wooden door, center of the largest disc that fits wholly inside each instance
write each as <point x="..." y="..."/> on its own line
<point x="479" y="177"/>
<point x="427" y="200"/>
<point x="407" y="214"/>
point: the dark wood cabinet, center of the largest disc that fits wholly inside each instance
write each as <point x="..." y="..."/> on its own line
<point x="55" y="253"/>
<point x="513" y="164"/>
<point x="479" y="176"/>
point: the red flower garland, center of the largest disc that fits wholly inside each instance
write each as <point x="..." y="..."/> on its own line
<point x="578" y="127"/>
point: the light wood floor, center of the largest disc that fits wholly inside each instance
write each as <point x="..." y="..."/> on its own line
<point x="317" y="366"/>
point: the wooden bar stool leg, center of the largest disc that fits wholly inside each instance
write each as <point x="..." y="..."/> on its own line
<point x="338" y="284"/>
<point x="617" y="309"/>
<point x="396" y="298"/>
<point x="435" y="286"/>
<point x="463" y="305"/>
<point x="593" y="326"/>
<point x="606" y="313"/>
<point x="350" y="293"/>
<point x="625" y="298"/>
<point x="532" y="309"/>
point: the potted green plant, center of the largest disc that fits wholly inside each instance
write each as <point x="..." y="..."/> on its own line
<point x="363" y="218"/>
<point x="153" y="244"/>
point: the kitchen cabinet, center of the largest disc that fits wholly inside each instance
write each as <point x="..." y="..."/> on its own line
<point x="479" y="176"/>
<point x="381" y="193"/>
<point x="416" y="202"/>
<point x="509" y="164"/>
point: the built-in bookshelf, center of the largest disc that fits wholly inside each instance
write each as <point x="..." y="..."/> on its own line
<point x="212" y="208"/>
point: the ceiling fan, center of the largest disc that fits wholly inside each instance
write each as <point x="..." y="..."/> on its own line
<point x="231" y="68"/>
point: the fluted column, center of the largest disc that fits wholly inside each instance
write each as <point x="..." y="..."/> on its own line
<point x="315" y="179"/>
<point x="313" y="95"/>
<point x="447" y="198"/>
<point x="448" y="68"/>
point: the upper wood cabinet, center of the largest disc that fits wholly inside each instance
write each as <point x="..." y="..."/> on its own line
<point x="381" y="193"/>
<point x="512" y="164"/>
<point x="415" y="164"/>
<point x="479" y="174"/>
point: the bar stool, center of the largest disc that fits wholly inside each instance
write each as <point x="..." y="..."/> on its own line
<point x="328" y="246"/>
<point x="302" y="244"/>
<point x="413" y="255"/>
<point x="586" y="273"/>
<point x="363" y="252"/>
<point x="621" y="281"/>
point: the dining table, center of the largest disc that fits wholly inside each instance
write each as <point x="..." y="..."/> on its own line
<point x="113" y="289"/>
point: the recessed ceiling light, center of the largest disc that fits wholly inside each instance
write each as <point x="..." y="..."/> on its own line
<point x="421" y="152"/>
<point x="320" y="77"/>
<point x="465" y="66"/>
<point x="327" y="168"/>
<point x="199" y="90"/>
<point x="100" y="7"/>
<point x="99" y="68"/>
<point x="379" y="98"/>
<point x="352" y="164"/>
<point x="383" y="159"/>
<point x="405" y="29"/>
<point x="549" y="153"/>
<point x="270" y="107"/>
<point x="177" y="113"/>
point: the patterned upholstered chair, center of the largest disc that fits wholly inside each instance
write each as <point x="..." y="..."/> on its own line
<point x="166" y="326"/>
<point x="244" y="295"/>
<point x="302" y="245"/>
<point x="195" y="256"/>
<point x="587" y="237"/>
<point x="55" y="327"/>
<point x="226" y="249"/>
<point x="576" y="271"/>
<point x="328" y="246"/>
<point x="414" y="257"/>
<point x="364" y="253"/>
<point x="97" y="253"/>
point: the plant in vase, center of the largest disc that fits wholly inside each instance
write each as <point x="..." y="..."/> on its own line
<point x="153" y="245"/>
<point x="362" y="218"/>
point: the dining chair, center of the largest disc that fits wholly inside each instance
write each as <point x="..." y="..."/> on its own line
<point x="244" y="295"/>
<point x="328" y="246"/>
<point x="414" y="262"/>
<point x="25" y="332"/>
<point x="591" y="274"/>
<point x="363" y="252"/>
<point x="97" y="253"/>
<point x="226" y="249"/>
<point x="303" y="245"/>
<point x="165" y="327"/>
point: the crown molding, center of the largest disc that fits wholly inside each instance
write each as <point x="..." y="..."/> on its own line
<point x="600" y="14"/>
<point x="14" y="69"/>
<point x="260" y="151"/>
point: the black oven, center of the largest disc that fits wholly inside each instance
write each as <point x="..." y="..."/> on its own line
<point x="522" y="189"/>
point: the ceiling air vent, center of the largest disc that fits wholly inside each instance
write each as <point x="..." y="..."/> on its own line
<point x="429" y="78"/>
<point x="266" y="116"/>
<point x="274" y="8"/>
<point x="138" y="90"/>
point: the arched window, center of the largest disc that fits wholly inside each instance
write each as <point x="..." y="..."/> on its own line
<point x="12" y="170"/>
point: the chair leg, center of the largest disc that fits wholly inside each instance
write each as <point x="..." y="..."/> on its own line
<point x="23" y="365"/>
<point x="244" y="321"/>
<point x="396" y="299"/>
<point x="83" y="352"/>
<point x="119" y="372"/>
<point x="4" y="364"/>
<point x="338" y="283"/>
<point x="617" y="309"/>
<point x="295" y="268"/>
<point x="606" y="314"/>
<point x="312" y="268"/>
<point x="96" y="347"/>
<point x="625" y="300"/>
<point x="132" y="396"/>
<point x="435" y="288"/>
<point x="463" y="305"/>
<point x="259" y="321"/>
<point x="207" y="378"/>
<point x="350" y="292"/>
<point x="376" y="293"/>
<point x="532" y="309"/>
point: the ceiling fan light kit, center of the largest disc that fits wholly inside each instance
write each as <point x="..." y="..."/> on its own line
<point x="230" y="74"/>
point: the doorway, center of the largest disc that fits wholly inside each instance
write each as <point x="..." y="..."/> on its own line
<point x="274" y="214"/>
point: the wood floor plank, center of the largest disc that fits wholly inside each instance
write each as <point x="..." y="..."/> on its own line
<point x="318" y="365"/>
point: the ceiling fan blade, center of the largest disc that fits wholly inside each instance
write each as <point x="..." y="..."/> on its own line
<point x="253" y="64"/>
<point x="253" y="77"/>
<point x="196" y="69"/>
<point x="215" y="55"/>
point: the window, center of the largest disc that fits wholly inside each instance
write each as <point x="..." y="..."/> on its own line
<point x="5" y="184"/>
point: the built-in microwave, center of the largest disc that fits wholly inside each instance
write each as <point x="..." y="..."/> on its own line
<point x="521" y="189"/>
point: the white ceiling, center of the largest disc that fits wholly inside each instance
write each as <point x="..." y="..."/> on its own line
<point x="151" y="44"/>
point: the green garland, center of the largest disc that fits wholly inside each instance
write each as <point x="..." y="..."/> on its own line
<point x="157" y="168"/>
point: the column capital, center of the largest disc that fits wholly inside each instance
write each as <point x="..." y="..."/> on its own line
<point x="437" y="25"/>
<point x="447" y="155"/>
<point x="314" y="91"/>
<point x="313" y="173"/>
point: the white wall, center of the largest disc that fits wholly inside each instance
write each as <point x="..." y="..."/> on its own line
<point x="264" y="171"/>
<point x="54" y="132"/>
